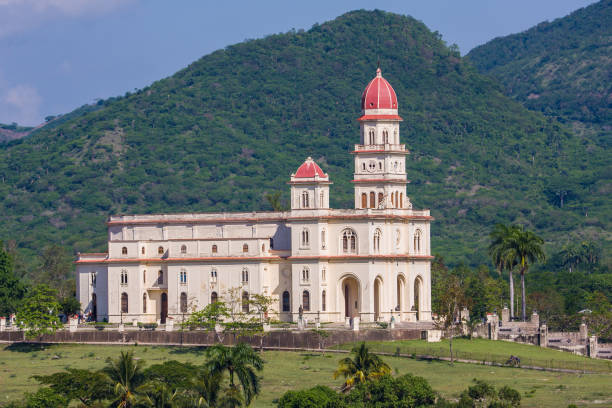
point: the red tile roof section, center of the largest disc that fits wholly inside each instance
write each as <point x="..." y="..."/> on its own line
<point x="379" y="94"/>
<point x="308" y="169"/>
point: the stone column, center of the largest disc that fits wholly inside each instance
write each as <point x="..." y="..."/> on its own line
<point x="592" y="347"/>
<point x="355" y="323"/>
<point x="2" y="324"/>
<point x="73" y="323"/>
<point x="505" y="315"/>
<point x="584" y="333"/>
<point x="543" y="336"/>
<point x="535" y="318"/>
<point x="170" y="325"/>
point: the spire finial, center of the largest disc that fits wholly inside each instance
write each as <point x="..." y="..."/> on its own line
<point x="378" y="71"/>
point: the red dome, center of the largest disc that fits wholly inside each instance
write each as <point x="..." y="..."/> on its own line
<point x="379" y="94"/>
<point x="308" y="169"/>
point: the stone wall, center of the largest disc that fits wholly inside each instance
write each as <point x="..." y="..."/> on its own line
<point x="273" y="339"/>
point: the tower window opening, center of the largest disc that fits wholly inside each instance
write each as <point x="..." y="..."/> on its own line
<point x="245" y="275"/>
<point x="377" y="235"/>
<point x="417" y="241"/>
<point x="124" y="251"/>
<point x="160" y="250"/>
<point x="349" y="241"/>
<point x="372" y="199"/>
<point x="245" y="248"/>
<point x="364" y="200"/>
<point x="214" y="249"/>
<point x="323" y="306"/>
<point x="160" y="277"/>
<point x="305" y="200"/>
<point x="183" y="249"/>
<point x="380" y="199"/>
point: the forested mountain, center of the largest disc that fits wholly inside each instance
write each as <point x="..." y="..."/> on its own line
<point x="13" y="131"/>
<point x="562" y="67"/>
<point x="231" y="127"/>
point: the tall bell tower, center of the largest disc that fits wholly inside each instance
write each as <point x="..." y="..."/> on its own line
<point x="380" y="160"/>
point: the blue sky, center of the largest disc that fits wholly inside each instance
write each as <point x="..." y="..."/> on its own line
<point x="56" y="55"/>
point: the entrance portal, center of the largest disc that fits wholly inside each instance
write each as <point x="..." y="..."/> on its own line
<point x="350" y="293"/>
<point x="164" y="308"/>
<point x="94" y="307"/>
<point x="377" y="298"/>
<point x="417" y="296"/>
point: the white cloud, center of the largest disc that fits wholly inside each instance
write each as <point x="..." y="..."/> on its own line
<point x="20" y="104"/>
<point x="19" y="15"/>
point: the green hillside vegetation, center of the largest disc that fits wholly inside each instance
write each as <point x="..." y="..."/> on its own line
<point x="231" y="127"/>
<point x="564" y="69"/>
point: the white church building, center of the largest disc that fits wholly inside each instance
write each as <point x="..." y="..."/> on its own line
<point x="371" y="262"/>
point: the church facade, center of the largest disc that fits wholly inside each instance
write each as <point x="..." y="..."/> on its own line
<point x="371" y="262"/>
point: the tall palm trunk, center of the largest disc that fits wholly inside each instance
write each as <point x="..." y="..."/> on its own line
<point x="511" y="280"/>
<point x="524" y="297"/>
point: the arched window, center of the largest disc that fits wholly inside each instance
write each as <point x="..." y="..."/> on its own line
<point x="306" y="300"/>
<point x="214" y="249"/>
<point x="379" y="165"/>
<point x="323" y="243"/>
<point x="124" y="278"/>
<point x="323" y="307"/>
<point x="144" y="276"/>
<point x="401" y="200"/>
<point x="214" y="297"/>
<point x="183" y="276"/>
<point x="144" y="302"/>
<point x="263" y="247"/>
<point x="392" y="199"/>
<point x="380" y="199"/>
<point x="124" y="302"/>
<point x="245" y="248"/>
<point x="385" y="136"/>
<point x="349" y="241"/>
<point x="286" y="302"/>
<point x="245" y="275"/>
<point x="160" y="250"/>
<point x="183" y="302"/>
<point x="160" y="277"/>
<point x="372" y="199"/>
<point x="364" y="200"/>
<point x="377" y="235"/>
<point x="142" y="251"/>
<point x="94" y="279"/>
<point x="305" y="274"/>
<point x="305" y="237"/>
<point x="183" y="249"/>
<point x="271" y="243"/>
<point x="417" y="241"/>
<point x="213" y="275"/>
<point x="372" y="138"/>
<point x="323" y="275"/>
<point x="124" y="251"/>
<point x="245" y="302"/>
<point x="363" y="166"/>
<point x="305" y="199"/>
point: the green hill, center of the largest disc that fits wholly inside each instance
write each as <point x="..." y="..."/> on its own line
<point x="562" y="67"/>
<point x="232" y="126"/>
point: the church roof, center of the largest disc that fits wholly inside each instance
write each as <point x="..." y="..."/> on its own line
<point x="309" y="169"/>
<point x="379" y="94"/>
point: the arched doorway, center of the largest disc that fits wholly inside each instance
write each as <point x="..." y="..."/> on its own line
<point x="94" y="307"/>
<point x="401" y="288"/>
<point x="377" y="298"/>
<point x="350" y="296"/>
<point x="164" y="308"/>
<point x="417" y="296"/>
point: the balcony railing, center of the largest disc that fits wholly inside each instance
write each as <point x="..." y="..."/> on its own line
<point x="393" y="147"/>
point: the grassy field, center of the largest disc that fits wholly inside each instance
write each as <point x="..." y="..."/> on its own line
<point x="292" y="370"/>
<point x="496" y="351"/>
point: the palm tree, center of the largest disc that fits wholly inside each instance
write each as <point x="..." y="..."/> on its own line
<point x="206" y="387"/>
<point x="241" y="361"/>
<point x="498" y="250"/>
<point x="363" y="367"/>
<point x="160" y="395"/>
<point x="524" y="247"/>
<point x="126" y="375"/>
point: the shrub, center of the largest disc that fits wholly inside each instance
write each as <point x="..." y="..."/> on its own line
<point x="319" y="396"/>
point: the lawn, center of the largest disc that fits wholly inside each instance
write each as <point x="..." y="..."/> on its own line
<point x="496" y="351"/>
<point x="293" y="370"/>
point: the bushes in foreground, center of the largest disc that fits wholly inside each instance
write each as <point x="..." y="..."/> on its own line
<point x="406" y="391"/>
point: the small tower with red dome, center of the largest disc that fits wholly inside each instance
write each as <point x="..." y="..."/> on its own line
<point x="380" y="166"/>
<point x="309" y="187"/>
